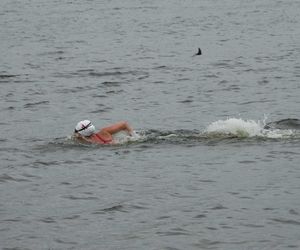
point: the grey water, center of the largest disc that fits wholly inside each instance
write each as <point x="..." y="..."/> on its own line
<point x="69" y="60"/>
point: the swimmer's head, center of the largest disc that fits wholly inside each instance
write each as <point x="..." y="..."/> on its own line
<point x="85" y="128"/>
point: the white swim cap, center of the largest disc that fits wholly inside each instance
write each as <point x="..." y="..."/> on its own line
<point x="85" y="128"/>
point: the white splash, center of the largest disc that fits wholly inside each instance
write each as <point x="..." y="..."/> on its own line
<point x="238" y="127"/>
<point x="245" y="128"/>
<point x="123" y="137"/>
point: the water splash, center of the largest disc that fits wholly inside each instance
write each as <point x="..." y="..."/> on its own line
<point x="240" y="128"/>
<point x="123" y="137"/>
<point x="237" y="127"/>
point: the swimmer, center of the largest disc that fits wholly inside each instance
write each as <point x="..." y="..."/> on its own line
<point x="85" y="132"/>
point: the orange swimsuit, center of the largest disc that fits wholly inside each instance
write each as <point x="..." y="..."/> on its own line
<point x="95" y="138"/>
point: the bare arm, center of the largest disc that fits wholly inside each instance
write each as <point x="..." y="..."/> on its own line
<point x="117" y="127"/>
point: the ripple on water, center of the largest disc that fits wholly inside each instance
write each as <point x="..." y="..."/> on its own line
<point x="8" y="178"/>
<point x="218" y="207"/>
<point x="174" y="232"/>
<point x="94" y="73"/>
<point x="48" y="220"/>
<point x="6" y="77"/>
<point x="286" y="221"/>
<point x="125" y="208"/>
<point x="24" y="78"/>
<point x="111" y="209"/>
<point x="73" y="197"/>
<point x="34" y="104"/>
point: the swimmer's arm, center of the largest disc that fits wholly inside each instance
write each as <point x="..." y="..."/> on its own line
<point x="117" y="127"/>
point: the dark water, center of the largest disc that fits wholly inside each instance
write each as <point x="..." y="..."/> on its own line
<point x="204" y="173"/>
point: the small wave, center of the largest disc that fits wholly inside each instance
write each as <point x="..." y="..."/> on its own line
<point x="48" y="220"/>
<point x="72" y="197"/>
<point x="94" y="73"/>
<point x="284" y="124"/>
<point x="32" y="104"/>
<point x="8" y="178"/>
<point x="286" y="221"/>
<point x="3" y="76"/>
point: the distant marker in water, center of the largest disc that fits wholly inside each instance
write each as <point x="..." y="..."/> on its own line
<point x="199" y="52"/>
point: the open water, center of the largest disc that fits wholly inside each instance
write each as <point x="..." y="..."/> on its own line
<point x="203" y="172"/>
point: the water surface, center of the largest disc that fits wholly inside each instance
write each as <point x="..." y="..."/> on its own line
<point x="205" y="172"/>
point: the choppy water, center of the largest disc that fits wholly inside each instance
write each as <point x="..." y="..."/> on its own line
<point x="204" y="172"/>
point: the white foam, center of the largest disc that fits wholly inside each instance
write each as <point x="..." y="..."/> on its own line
<point x="123" y="137"/>
<point x="279" y="133"/>
<point x="245" y="128"/>
<point x="234" y="126"/>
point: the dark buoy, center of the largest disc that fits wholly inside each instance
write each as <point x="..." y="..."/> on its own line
<point x="199" y="52"/>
